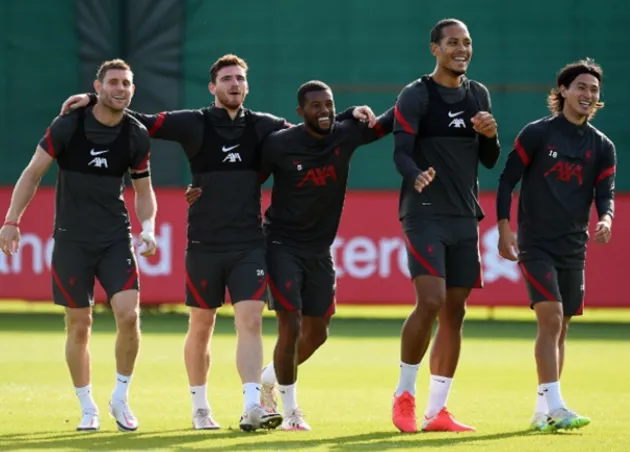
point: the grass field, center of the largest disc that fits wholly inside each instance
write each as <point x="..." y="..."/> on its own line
<point x="345" y="389"/>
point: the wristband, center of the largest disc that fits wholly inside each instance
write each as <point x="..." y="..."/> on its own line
<point x="148" y="226"/>
<point x="12" y="223"/>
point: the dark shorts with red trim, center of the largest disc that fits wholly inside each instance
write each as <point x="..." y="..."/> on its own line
<point x="301" y="283"/>
<point x="75" y="265"/>
<point x="209" y="273"/>
<point x="446" y="247"/>
<point x="549" y="277"/>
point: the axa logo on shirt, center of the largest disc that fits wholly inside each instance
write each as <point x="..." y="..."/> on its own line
<point x="98" y="162"/>
<point x="232" y="157"/>
<point x="457" y="122"/>
<point x="565" y="171"/>
<point x="319" y="177"/>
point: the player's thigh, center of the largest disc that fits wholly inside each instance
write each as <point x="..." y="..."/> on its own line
<point x="541" y="280"/>
<point x="73" y="268"/>
<point x="320" y="284"/>
<point x="571" y="283"/>
<point x="285" y="280"/>
<point x="425" y="249"/>
<point x="205" y="278"/>
<point x="247" y="276"/>
<point x="117" y="268"/>
<point x="463" y="262"/>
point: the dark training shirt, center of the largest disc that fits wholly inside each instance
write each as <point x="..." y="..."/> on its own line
<point x="563" y="167"/>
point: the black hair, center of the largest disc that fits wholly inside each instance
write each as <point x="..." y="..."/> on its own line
<point x="313" y="85"/>
<point x="436" y="31"/>
<point x="567" y="75"/>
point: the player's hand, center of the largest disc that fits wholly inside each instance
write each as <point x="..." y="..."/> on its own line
<point x="424" y="179"/>
<point x="485" y="124"/>
<point x="192" y="194"/>
<point x="365" y="114"/>
<point x="9" y="239"/>
<point x="148" y="244"/>
<point x="508" y="246"/>
<point x="602" y="232"/>
<point x="74" y="102"/>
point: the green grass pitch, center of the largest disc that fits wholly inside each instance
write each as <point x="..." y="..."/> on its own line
<point x="345" y="389"/>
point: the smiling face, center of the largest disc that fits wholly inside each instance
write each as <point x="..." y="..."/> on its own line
<point x="454" y="50"/>
<point x="318" y="111"/>
<point x="581" y="97"/>
<point x="116" y="89"/>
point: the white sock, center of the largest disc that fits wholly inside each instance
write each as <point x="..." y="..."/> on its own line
<point x="541" y="401"/>
<point x="86" y="400"/>
<point x="251" y="395"/>
<point x="439" y="388"/>
<point x="553" y="395"/>
<point x="269" y="375"/>
<point x="407" y="379"/>
<point x="121" y="391"/>
<point x="288" y="394"/>
<point x="199" y="398"/>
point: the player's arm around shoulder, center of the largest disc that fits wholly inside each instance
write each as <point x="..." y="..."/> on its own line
<point x="271" y="152"/>
<point x="267" y="123"/>
<point x="145" y="202"/>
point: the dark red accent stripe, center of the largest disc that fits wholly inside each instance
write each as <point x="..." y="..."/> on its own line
<point x="195" y="293"/>
<point x="144" y="165"/>
<point x="604" y="174"/>
<point x="49" y="144"/>
<point x="331" y="308"/>
<point x="278" y="296"/>
<point x="158" y="123"/>
<point x="403" y="122"/>
<point x="65" y="294"/>
<point x="261" y="290"/>
<point x="520" y="150"/>
<point x="539" y="287"/>
<point x="421" y="259"/>
<point x="380" y="132"/>
<point x="132" y="279"/>
<point x="479" y="283"/>
<point x="580" y="310"/>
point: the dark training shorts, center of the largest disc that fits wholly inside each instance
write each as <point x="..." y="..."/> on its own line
<point x="300" y="283"/>
<point x="547" y="279"/>
<point x="446" y="247"/>
<point x="208" y="273"/>
<point x="76" y="264"/>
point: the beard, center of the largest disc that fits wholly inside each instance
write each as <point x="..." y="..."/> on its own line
<point x="231" y="101"/>
<point x="110" y="103"/>
<point x="314" y="125"/>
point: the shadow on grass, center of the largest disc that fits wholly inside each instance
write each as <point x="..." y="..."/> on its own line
<point x="155" y="322"/>
<point x="178" y="440"/>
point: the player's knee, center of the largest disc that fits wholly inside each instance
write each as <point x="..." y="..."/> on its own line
<point x="248" y="322"/>
<point x="129" y="319"/>
<point x="289" y="325"/>
<point x="455" y="315"/>
<point x="201" y="323"/>
<point x="318" y="335"/>
<point x="78" y="327"/>
<point x="550" y="322"/>
<point x="430" y="303"/>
